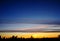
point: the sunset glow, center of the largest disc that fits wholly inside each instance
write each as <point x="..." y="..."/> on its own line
<point x="29" y="20"/>
<point x="29" y="34"/>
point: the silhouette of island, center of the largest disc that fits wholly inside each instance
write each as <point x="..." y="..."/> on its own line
<point x="14" y="38"/>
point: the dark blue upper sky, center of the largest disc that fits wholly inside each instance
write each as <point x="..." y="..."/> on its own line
<point x="30" y="11"/>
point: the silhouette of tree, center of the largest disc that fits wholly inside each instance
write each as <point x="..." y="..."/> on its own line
<point x="31" y="36"/>
<point x="0" y="37"/>
<point x="3" y="37"/>
<point x="14" y="38"/>
<point x="58" y="36"/>
<point x="20" y="37"/>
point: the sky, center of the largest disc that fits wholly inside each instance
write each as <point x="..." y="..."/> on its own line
<point x="29" y="14"/>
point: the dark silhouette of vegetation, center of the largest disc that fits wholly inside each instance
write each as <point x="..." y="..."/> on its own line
<point x="14" y="38"/>
<point x="58" y="36"/>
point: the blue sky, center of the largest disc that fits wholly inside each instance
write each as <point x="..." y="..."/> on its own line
<point x="29" y="12"/>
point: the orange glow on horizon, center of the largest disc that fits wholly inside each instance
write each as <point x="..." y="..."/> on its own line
<point x="29" y="34"/>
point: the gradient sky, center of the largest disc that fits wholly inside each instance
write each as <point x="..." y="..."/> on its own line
<point x="16" y="14"/>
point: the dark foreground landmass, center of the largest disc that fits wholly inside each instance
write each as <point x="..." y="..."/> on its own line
<point x="13" y="38"/>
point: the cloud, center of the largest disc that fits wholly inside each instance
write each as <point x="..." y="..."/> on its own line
<point x="30" y="21"/>
<point x="30" y="27"/>
<point x="41" y="28"/>
<point x="33" y="28"/>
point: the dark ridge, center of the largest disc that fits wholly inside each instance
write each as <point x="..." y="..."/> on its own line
<point x="14" y="38"/>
